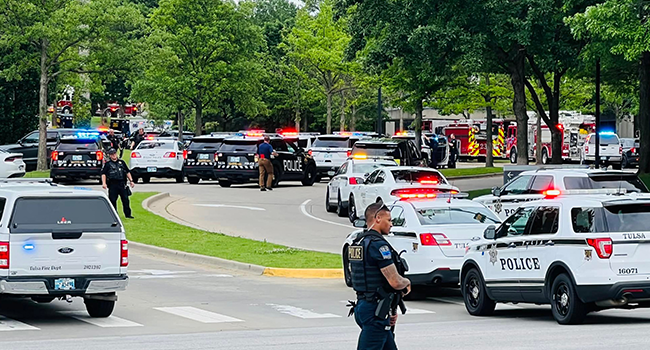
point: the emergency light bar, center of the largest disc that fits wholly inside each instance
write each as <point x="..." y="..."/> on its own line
<point x="552" y="193"/>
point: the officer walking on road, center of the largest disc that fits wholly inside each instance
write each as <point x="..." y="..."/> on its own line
<point x="377" y="281"/>
<point x="115" y="173"/>
<point x="265" y="150"/>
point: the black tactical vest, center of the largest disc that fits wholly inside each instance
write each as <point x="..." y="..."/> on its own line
<point x="366" y="278"/>
<point x="115" y="171"/>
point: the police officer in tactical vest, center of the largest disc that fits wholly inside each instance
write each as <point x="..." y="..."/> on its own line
<point x="375" y="269"/>
<point x="115" y="173"/>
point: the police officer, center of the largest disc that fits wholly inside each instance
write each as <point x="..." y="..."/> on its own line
<point x="264" y="151"/>
<point x="137" y="138"/>
<point x="113" y="139"/>
<point x="373" y="264"/>
<point x="115" y="173"/>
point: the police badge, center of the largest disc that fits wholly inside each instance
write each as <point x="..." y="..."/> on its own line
<point x="498" y="206"/>
<point x="493" y="254"/>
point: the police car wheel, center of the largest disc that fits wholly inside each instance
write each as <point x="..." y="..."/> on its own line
<point x="193" y="180"/>
<point x="340" y="210"/>
<point x="545" y="156"/>
<point x="276" y="176"/>
<point x="180" y="179"/>
<point x="330" y="208"/>
<point x="310" y="176"/>
<point x="146" y="179"/>
<point x="347" y="274"/>
<point x="224" y="183"/>
<point x="513" y="156"/>
<point x="99" y="308"/>
<point x="567" y="308"/>
<point x="352" y="209"/>
<point x="477" y="302"/>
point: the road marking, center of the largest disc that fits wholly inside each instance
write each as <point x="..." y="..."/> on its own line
<point x="303" y="208"/>
<point x="301" y="313"/>
<point x="109" y="322"/>
<point x="447" y="300"/>
<point x="412" y="311"/>
<point x="159" y="272"/>
<point x="229" y="206"/>
<point x="198" y="315"/>
<point x="8" y="324"/>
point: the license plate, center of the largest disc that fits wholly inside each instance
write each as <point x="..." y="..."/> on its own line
<point x="64" y="284"/>
<point x="234" y="160"/>
<point x="152" y="169"/>
<point x="204" y="156"/>
<point x="603" y="158"/>
<point x="78" y="157"/>
<point x="327" y="155"/>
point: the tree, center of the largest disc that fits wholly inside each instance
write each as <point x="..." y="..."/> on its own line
<point x="58" y="37"/>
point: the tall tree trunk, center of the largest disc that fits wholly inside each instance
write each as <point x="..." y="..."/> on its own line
<point x="342" y="119"/>
<point x="353" y="119"/>
<point x="199" y="117"/>
<point x="41" y="164"/>
<point x="644" y="112"/>
<point x="489" y="159"/>
<point x="418" y="122"/>
<point x="557" y="135"/>
<point x="538" y="141"/>
<point x="517" y="77"/>
<point x="329" y="112"/>
<point x="181" y="121"/>
<point x="297" y="120"/>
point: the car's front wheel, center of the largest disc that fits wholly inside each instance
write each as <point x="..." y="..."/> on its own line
<point x="99" y="308"/>
<point x="340" y="210"/>
<point x="567" y="308"/>
<point x="193" y="180"/>
<point x="477" y="302"/>
<point x="310" y="176"/>
<point x="328" y="207"/>
<point x="352" y="209"/>
<point x="224" y="183"/>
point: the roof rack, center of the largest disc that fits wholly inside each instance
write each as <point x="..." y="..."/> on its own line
<point x="28" y="180"/>
<point x="561" y="167"/>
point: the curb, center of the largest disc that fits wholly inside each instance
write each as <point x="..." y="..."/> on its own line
<point x="224" y="263"/>
<point x="482" y="176"/>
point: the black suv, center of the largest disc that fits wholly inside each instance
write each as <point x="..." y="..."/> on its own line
<point x="28" y="145"/>
<point x="201" y="158"/>
<point x="403" y="151"/>
<point x="237" y="162"/>
<point x="77" y="157"/>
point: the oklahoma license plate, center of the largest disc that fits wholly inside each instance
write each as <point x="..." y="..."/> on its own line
<point x="64" y="284"/>
<point x="234" y="160"/>
<point x="327" y="155"/>
<point x="77" y="157"/>
<point x="152" y="169"/>
<point x="204" y="156"/>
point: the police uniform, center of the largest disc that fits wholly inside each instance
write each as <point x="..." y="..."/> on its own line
<point x="368" y="254"/>
<point x="116" y="172"/>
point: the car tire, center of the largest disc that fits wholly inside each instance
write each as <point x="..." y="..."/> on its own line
<point x="347" y="273"/>
<point x="310" y="176"/>
<point x="545" y="159"/>
<point x="99" y="308"/>
<point x="277" y="174"/>
<point x="328" y="207"/>
<point x="567" y="308"/>
<point x="193" y="180"/>
<point x="224" y="183"/>
<point x="146" y="179"/>
<point x="352" y="209"/>
<point x="617" y="166"/>
<point x="624" y="163"/>
<point x="513" y="156"/>
<point x="340" y="210"/>
<point x="477" y="302"/>
<point x="180" y="179"/>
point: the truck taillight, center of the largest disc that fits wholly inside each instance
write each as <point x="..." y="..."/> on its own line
<point x="135" y="155"/>
<point x="184" y="154"/>
<point x="620" y="150"/>
<point x="124" y="253"/>
<point x="100" y="155"/>
<point x="432" y="239"/>
<point x="604" y="246"/>
<point x="54" y="155"/>
<point x="4" y="255"/>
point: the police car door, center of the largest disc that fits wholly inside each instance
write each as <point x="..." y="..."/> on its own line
<point x="501" y="270"/>
<point x="538" y="251"/>
<point x="512" y="195"/>
<point x="364" y="200"/>
<point x="339" y="180"/>
<point x="289" y="162"/>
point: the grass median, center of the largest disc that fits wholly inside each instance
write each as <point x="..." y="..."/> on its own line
<point x="149" y="228"/>
<point x="451" y="173"/>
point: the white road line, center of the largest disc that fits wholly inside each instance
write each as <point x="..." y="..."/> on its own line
<point x="160" y="272"/>
<point x="413" y="311"/>
<point x="229" y="206"/>
<point x="198" y="315"/>
<point x="109" y="322"/>
<point x="8" y="324"/>
<point x="303" y="208"/>
<point x="150" y="277"/>
<point x="301" y="313"/>
<point x="447" y="300"/>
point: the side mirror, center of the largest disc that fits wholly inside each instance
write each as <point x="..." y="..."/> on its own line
<point x="359" y="223"/>
<point x="496" y="191"/>
<point x="490" y="232"/>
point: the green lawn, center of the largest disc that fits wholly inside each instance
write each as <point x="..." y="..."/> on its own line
<point x="646" y="179"/>
<point x="152" y="229"/>
<point x="451" y="173"/>
<point x="476" y="193"/>
<point x="38" y="174"/>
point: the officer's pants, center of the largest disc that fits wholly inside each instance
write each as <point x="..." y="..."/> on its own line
<point x="119" y="190"/>
<point x="375" y="332"/>
<point x="266" y="171"/>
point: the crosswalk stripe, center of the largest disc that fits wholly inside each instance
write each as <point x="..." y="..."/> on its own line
<point x="108" y="322"/>
<point x="301" y="313"/>
<point x="198" y="315"/>
<point x="8" y="324"/>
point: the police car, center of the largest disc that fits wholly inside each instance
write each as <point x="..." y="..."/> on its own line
<point x="201" y="158"/>
<point x="331" y="151"/>
<point x="611" y="151"/>
<point x="158" y="158"/>
<point x="76" y="157"/>
<point x="433" y="234"/>
<point x="579" y="253"/>
<point x="73" y="247"/>
<point x="351" y="173"/>
<point x="237" y="161"/>
<point x="11" y="165"/>
<point x="531" y="185"/>
<point x="393" y="183"/>
<point x="402" y="150"/>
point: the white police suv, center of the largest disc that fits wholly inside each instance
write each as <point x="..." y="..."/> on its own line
<point x="61" y="242"/>
<point x="579" y="253"/>
<point x="158" y="157"/>
<point x="532" y="185"/>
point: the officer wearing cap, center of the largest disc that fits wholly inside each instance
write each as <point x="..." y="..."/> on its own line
<point x="115" y="173"/>
<point x="373" y="266"/>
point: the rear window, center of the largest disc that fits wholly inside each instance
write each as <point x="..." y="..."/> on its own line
<point x="77" y="145"/>
<point x="605" y="139"/>
<point x="631" y="183"/>
<point x="156" y="145"/>
<point x="332" y="142"/>
<point x="37" y="215"/>
<point x="245" y="146"/>
<point x="364" y="168"/>
<point x="378" y="150"/>
<point x="627" y="218"/>
<point x="205" y="144"/>
<point x="456" y="216"/>
<point x="423" y="176"/>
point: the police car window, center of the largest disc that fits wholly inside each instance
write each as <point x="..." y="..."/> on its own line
<point x="363" y="168"/>
<point x="331" y="142"/>
<point x="291" y="148"/>
<point x="517" y="186"/>
<point x="77" y="145"/>
<point x="544" y="221"/>
<point x="381" y="177"/>
<point x="541" y="183"/>
<point x="371" y="178"/>
<point x="377" y="150"/>
<point x="302" y="143"/>
<point x="3" y="201"/>
<point x="52" y="136"/>
<point x="397" y="216"/>
<point x="31" y="138"/>
<point x="343" y="169"/>
<point x="279" y="145"/>
<point x="88" y="214"/>
<point x="515" y="225"/>
<point x="156" y="145"/>
<point x="425" y="177"/>
<point x="629" y="183"/>
<point x="456" y="216"/>
<point x="627" y="217"/>
<point x="587" y="220"/>
<point x="249" y="146"/>
<point x="608" y="139"/>
<point x="206" y="144"/>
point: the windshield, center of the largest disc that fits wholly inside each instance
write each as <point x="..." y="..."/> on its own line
<point x="205" y="144"/>
<point x="630" y="183"/>
<point x="421" y="176"/>
<point x="332" y="142"/>
<point x="242" y="146"/>
<point x="456" y="216"/>
<point x="378" y="150"/>
<point x="77" y="145"/>
<point x="364" y="168"/>
<point x="156" y="145"/>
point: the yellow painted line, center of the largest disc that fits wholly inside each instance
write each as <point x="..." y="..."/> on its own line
<point x="303" y="273"/>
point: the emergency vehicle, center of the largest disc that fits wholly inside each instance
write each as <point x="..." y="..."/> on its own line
<point x="77" y="157"/>
<point x="579" y="253"/>
<point x="201" y="158"/>
<point x="158" y="158"/>
<point x="611" y="150"/>
<point x="330" y="151"/>
<point x="471" y="136"/>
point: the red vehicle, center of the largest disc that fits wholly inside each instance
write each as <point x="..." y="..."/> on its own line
<point x="472" y="136"/>
<point x="113" y="110"/>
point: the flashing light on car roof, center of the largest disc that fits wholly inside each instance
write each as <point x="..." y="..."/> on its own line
<point x="428" y="182"/>
<point x="560" y="127"/>
<point x="150" y="137"/>
<point x="425" y="193"/>
<point x="103" y="128"/>
<point x="87" y="135"/>
<point x="417" y="195"/>
<point x="401" y="133"/>
<point x="607" y="133"/>
<point x="360" y="156"/>
<point x="255" y="133"/>
<point x="551" y="193"/>
<point x="289" y="133"/>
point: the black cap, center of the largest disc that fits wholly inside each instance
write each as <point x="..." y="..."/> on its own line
<point x="112" y="151"/>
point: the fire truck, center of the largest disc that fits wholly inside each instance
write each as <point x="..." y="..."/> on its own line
<point x="472" y="137"/>
<point x="113" y="110"/>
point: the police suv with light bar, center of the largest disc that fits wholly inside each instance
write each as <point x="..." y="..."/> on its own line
<point x="579" y="253"/>
<point x="61" y="242"/>
<point x="77" y="157"/>
<point x="202" y="158"/>
<point x="433" y="234"/>
<point x="158" y="158"/>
